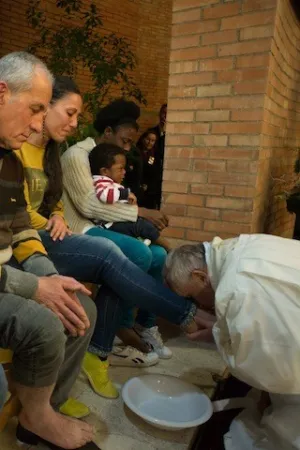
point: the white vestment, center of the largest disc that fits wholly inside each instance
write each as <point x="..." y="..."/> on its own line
<point x="256" y="279"/>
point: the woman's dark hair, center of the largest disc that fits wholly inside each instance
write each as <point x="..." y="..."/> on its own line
<point x="52" y="166"/>
<point x="119" y="113"/>
<point x="103" y="155"/>
<point x="140" y="142"/>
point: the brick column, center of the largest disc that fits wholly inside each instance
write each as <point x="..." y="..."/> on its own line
<point x="218" y="157"/>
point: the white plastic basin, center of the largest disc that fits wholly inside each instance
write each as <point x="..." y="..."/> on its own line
<point x="167" y="402"/>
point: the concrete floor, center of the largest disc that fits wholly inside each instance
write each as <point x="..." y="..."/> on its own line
<point x="116" y="426"/>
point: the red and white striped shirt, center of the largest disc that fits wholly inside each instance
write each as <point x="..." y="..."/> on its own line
<point x="107" y="191"/>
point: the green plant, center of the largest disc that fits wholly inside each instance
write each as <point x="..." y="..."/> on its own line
<point x="82" y="43"/>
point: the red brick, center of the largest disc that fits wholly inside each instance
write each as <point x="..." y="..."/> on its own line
<point x="216" y="64"/>
<point x="177" y="163"/>
<point x="237" y="216"/>
<point x="232" y="178"/>
<point x="236" y="128"/>
<point x="193" y="53"/>
<point x="192" y="79"/>
<point x="212" y="116"/>
<point x="185" y="222"/>
<point x="214" y="141"/>
<point x="180" y="116"/>
<point x="241" y="48"/>
<point x="188" y="128"/>
<point x="173" y="232"/>
<point x="199" y="236"/>
<point x="185" y="42"/>
<point x="239" y="102"/>
<point x="179" y="5"/>
<point x="242" y="75"/>
<point x="203" y="213"/>
<point x="257" y="32"/>
<point x="247" y="115"/>
<point x="214" y="90"/>
<point x="248" y="20"/>
<point x="209" y="166"/>
<point x="219" y="36"/>
<point x="194" y="28"/>
<point x="250" y="87"/>
<point x="207" y="189"/>
<point x="199" y="152"/>
<point x="179" y="91"/>
<point x="186" y="16"/>
<point x="253" y="61"/>
<point x="179" y="140"/>
<point x="254" y="5"/>
<point x="227" y="227"/>
<point x="238" y="166"/>
<point x="240" y="191"/>
<point x="218" y="11"/>
<point x="189" y="104"/>
<point x="184" y="176"/>
<point x="191" y="200"/>
<point x="184" y="67"/>
<point x="229" y="203"/>
<point x="247" y="141"/>
<point x="169" y="186"/>
<point x="175" y="210"/>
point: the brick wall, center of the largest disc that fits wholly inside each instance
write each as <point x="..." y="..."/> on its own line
<point x="280" y="138"/>
<point x="222" y="141"/>
<point x="146" y="23"/>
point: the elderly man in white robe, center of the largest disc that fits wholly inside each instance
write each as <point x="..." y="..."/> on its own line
<point x="249" y="290"/>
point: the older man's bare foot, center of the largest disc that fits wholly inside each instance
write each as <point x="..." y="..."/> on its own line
<point x="57" y="429"/>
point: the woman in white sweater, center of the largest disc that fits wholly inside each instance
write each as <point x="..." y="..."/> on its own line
<point x="116" y="124"/>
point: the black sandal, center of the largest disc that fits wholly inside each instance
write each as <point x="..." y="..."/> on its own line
<point x="26" y="437"/>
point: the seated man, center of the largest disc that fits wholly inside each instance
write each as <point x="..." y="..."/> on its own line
<point x="41" y="318"/>
<point x="252" y="285"/>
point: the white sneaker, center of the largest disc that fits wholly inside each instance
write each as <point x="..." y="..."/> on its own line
<point x="153" y="337"/>
<point x="131" y="357"/>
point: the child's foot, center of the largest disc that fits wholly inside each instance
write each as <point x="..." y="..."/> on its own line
<point x="131" y="357"/>
<point x="130" y="337"/>
<point x="152" y="337"/>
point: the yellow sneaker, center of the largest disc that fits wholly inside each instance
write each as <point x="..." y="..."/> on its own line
<point x="97" y="373"/>
<point x="74" y="408"/>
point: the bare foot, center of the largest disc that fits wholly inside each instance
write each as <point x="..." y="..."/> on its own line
<point x="129" y="337"/>
<point x="59" y="430"/>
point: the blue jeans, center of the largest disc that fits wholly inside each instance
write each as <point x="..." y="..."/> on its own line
<point x="3" y="387"/>
<point x="150" y="259"/>
<point x="123" y="285"/>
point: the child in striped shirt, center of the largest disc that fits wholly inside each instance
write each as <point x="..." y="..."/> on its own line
<point x="108" y="162"/>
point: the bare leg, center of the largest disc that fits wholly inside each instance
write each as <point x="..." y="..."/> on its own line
<point x="39" y="417"/>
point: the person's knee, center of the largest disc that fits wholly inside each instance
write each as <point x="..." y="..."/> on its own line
<point x="90" y="309"/>
<point x="141" y="255"/>
<point x="49" y="332"/>
<point x="159" y="255"/>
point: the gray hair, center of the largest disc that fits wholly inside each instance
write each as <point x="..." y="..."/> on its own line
<point x="181" y="262"/>
<point x="17" y="70"/>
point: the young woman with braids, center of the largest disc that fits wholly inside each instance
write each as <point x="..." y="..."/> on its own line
<point x="90" y="259"/>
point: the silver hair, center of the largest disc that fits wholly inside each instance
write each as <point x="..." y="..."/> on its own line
<point x="17" y="70"/>
<point x="181" y="262"/>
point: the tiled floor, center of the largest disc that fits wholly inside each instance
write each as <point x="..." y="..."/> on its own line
<point x="116" y="426"/>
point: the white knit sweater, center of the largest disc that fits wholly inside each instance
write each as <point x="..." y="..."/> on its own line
<point x="80" y="201"/>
